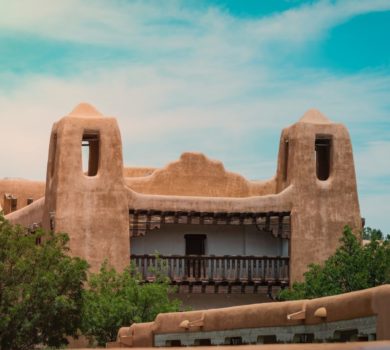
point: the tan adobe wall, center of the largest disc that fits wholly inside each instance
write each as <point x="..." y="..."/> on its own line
<point x="137" y="171"/>
<point x="321" y="208"/>
<point x="93" y="210"/>
<point x="196" y="175"/>
<point x="20" y="189"/>
<point x="29" y="216"/>
<point x="349" y="306"/>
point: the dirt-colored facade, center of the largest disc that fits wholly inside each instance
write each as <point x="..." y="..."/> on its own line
<point x="361" y="315"/>
<point x="314" y="184"/>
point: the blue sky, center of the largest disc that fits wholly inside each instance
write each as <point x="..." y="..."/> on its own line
<point x="220" y="77"/>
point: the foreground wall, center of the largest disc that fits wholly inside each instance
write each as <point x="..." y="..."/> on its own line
<point x="361" y="315"/>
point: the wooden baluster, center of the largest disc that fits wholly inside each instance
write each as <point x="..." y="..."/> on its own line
<point x="263" y="268"/>
<point x="267" y="269"/>
<point x="170" y="267"/>
<point x="145" y="267"/>
<point x="182" y="272"/>
<point x="223" y="262"/>
<point x="229" y="268"/>
<point x="210" y="272"/>
<point x="238" y="268"/>
<point x="250" y="269"/>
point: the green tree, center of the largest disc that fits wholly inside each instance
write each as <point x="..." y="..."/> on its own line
<point x="40" y="288"/>
<point x="352" y="267"/>
<point x="372" y="234"/>
<point x="113" y="300"/>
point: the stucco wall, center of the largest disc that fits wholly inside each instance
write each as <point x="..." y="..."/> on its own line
<point x="22" y="190"/>
<point x="196" y="175"/>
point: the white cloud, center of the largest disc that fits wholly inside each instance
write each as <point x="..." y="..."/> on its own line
<point x="373" y="161"/>
<point x="195" y="71"/>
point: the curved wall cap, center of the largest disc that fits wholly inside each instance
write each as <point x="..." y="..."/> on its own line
<point x="85" y="110"/>
<point x="314" y="116"/>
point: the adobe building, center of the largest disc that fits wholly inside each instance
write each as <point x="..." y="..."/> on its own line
<point x="214" y="228"/>
<point x="357" y="316"/>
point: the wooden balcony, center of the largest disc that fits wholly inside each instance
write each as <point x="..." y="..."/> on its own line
<point x="215" y="270"/>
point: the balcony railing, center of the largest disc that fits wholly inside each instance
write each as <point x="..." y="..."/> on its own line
<point x="214" y="269"/>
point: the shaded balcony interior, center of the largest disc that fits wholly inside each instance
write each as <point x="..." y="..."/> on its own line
<point x="213" y="252"/>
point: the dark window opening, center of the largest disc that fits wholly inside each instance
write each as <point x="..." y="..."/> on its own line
<point x="173" y="343"/>
<point x="14" y="204"/>
<point x="202" y="342"/>
<point x="266" y="339"/>
<point x="285" y="164"/>
<point x="29" y="201"/>
<point x="303" y="338"/>
<point x="10" y="203"/>
<point x="323" y="154"/>
<point x="195" y="244"/>
<point x="234" y="341"/>
<point x="346" y="335"/>
<point x="91" y="151"/>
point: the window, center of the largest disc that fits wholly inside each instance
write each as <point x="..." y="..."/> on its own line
<point x="91" y="151"/>
<point x="323" y="155"/>
<point x="195" y="244"/>
<point x="29" y="201"/>
<point x="14" y="204"/>
<point x="202" y="342"/>
<point x="173" y="343"/>
<point x="266" y="339"/>
<point x="346" y="335"/>
<point x="303" y="338"/>
<point x="233" y="341"/>
<point x="285" y="164"/>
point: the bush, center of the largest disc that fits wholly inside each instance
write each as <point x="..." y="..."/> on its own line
<point x="114" y="300"/>
<point x="352" y="267"/>
<point x="40" y="288"/>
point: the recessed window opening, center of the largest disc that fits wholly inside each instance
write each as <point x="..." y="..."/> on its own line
<point x="14" y="204"/>
<point x="90" y="147"/>
<point x="234" y="341"/>
<point x="173" y="343"/>
<point x="323" y="156"/>
<point x="266" y="339"/>
<point x="29" y="201"/>
<point x="303" y="338"/>
<point x="202" y="342"/>
<point x="285" y="163"/>
<point x="346" y="335"/>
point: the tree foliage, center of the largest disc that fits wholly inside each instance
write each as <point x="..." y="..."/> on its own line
<point x="352" y="267"/>
<point x="114" y="300"/>
<point x="372" y="234"/>
<point x="40" y="288"/>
